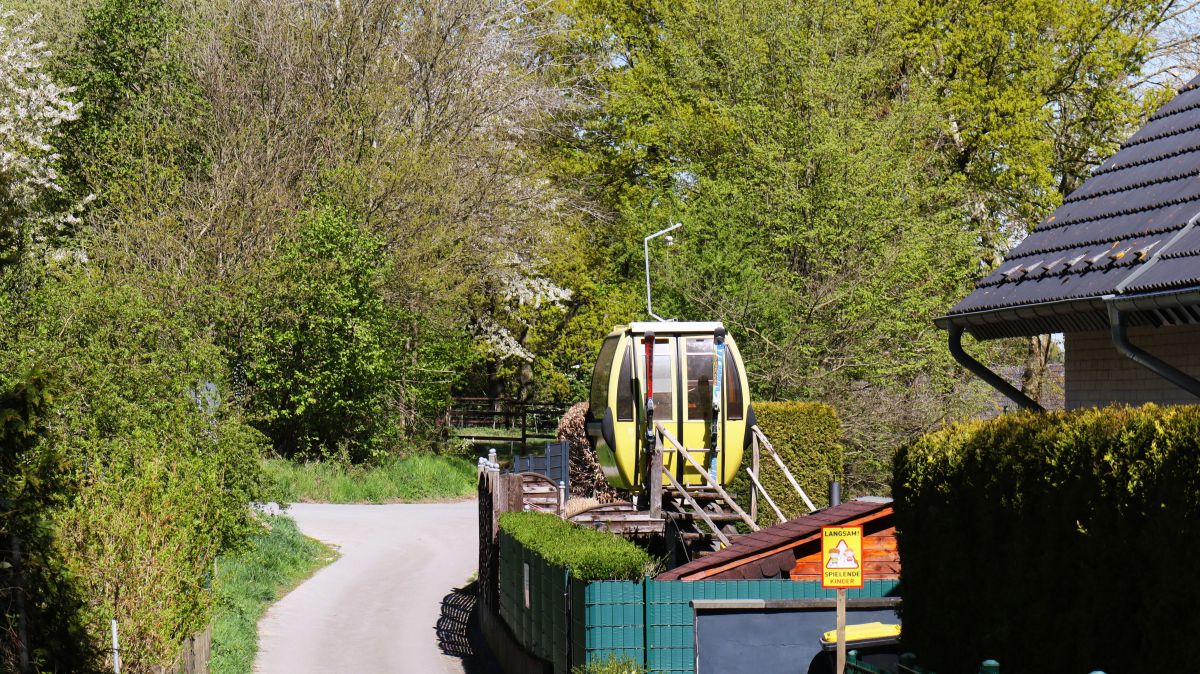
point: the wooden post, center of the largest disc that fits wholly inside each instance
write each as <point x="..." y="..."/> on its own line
<point x="524" y="428"/>
<point x="841" y="632"/>
<point x="655" y="488"/>
<point x="754" y="468"/>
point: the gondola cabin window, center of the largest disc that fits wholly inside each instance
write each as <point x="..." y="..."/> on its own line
<point x="664" y="379"/>
<point x="699" y="378"/>
<point x="625" y="393"/>
<point x="600" y="375"/>
<point x="733" y="388"/>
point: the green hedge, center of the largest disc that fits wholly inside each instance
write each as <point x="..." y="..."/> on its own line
<point x="808" y="439"/>
<point x="589" y="554"/>
<point x="1053" y="543"/>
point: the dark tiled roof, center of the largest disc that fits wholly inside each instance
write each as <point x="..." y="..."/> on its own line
<point x="777" y="536"/>
<point x="1124" y="232"/>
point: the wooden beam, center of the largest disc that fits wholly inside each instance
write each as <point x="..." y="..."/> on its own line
<point x="754" y="467"/>
<point x="770" y="501"/>
<point x="682" y="451"/>
<point x="696" y="506"/>
<point x="787" y="473"/>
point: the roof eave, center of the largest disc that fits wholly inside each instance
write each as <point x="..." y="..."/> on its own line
<point x="1029" y="319"/>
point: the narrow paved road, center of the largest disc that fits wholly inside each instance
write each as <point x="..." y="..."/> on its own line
<point x="377" y="608"/>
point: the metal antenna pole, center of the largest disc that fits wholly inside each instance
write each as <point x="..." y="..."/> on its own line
<point x="646" y="254"/>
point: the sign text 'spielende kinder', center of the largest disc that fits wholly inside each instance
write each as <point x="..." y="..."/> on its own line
<point x="841" y="555"/>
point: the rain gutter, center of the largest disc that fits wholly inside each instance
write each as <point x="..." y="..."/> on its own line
<point x="980" y="370"/>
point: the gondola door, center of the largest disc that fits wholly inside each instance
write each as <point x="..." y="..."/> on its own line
<point x="666" y="397"/>
<point x="696" y="360"/>
<point x="682" y="378"/>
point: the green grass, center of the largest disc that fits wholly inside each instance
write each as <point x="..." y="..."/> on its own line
<point x="251" y="580"/>
<point x="423" y="477"/>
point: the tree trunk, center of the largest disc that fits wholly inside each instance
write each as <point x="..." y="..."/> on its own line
<point x="1037" y="354"/>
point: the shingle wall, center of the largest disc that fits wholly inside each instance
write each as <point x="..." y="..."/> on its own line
<point x="1097" y="375"/>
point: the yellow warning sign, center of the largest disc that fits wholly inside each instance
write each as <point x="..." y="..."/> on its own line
<point x="841" y="555"/>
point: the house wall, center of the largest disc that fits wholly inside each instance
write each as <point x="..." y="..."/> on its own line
<point x="1097" y="375"/>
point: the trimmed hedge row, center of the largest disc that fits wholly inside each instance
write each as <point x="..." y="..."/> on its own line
<point x="589" y="554"/>
<point x="808" y="438"/>
<point x="1054" y="542"/>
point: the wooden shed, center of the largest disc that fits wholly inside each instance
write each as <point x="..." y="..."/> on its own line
<point x="793" y="549"/>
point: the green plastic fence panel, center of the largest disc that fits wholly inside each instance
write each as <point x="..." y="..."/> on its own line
<point x="670" y="635"/>
<point x="613" y="620"/>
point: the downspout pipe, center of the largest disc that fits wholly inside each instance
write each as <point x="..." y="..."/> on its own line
<point x="980" y="370"/>
<point x="1120" y="339"/>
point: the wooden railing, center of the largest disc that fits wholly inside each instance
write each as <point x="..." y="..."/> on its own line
<point x="503" y="420"/>
<point x="666" y="443"/>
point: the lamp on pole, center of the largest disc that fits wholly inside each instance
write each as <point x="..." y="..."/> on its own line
<point x="646" y="254"/>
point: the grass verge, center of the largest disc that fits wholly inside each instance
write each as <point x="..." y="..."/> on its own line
<point x="421" y="477"/>
<point x="251" y="580"/>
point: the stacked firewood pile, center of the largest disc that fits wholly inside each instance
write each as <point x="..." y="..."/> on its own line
<point x="587" y="478"/>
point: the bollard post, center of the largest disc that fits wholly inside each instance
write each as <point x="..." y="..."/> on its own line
<point x="989" y="667"/>
<point x="562" y="499"/>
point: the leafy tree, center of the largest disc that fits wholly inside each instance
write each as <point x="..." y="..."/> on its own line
<point x="319" y="366"/>
<point x="1033" y="94"/>
<point x="821" y="225"/>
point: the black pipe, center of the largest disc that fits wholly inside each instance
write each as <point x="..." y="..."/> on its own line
<point x="1120" y="339"/>
<point x="980" y="370"/>
<point x="835" y="493"/>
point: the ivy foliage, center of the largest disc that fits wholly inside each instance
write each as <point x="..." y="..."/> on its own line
<point x="589" y="554"/>
<point x="1052" y="542"/>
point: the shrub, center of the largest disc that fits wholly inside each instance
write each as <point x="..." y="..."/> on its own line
<point x="807" y="437"/>
<point x="155" y="466"/>
<point x="318" y="364"/>
<point x="589" y="554"/>
<point x="1053" y="542"/>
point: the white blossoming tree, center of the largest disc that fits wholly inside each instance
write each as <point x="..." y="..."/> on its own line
<point x="521" y="294"/>
<point x="32" y="107"/>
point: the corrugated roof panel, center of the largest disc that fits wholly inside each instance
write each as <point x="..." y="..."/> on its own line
<point x="1180" y="167"/>
<point x="1026" y="257"/>
<point x="1044" y="289"/>
<point x="1173" y="145"/>
<point x="1074" y="261"/>
<point x="1112" y="226"/>
<point x="1160" y="128"/>
<point x="1188" y="244"/>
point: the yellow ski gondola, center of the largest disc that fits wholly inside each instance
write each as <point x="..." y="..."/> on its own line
<point x="681" y="358"/>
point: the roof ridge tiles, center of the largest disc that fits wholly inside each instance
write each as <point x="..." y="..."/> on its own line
<point x="1148" y="160"/>
<point x="1132" y="186"/>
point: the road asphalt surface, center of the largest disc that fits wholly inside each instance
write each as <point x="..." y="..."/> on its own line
<point x="388" y="603"/>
